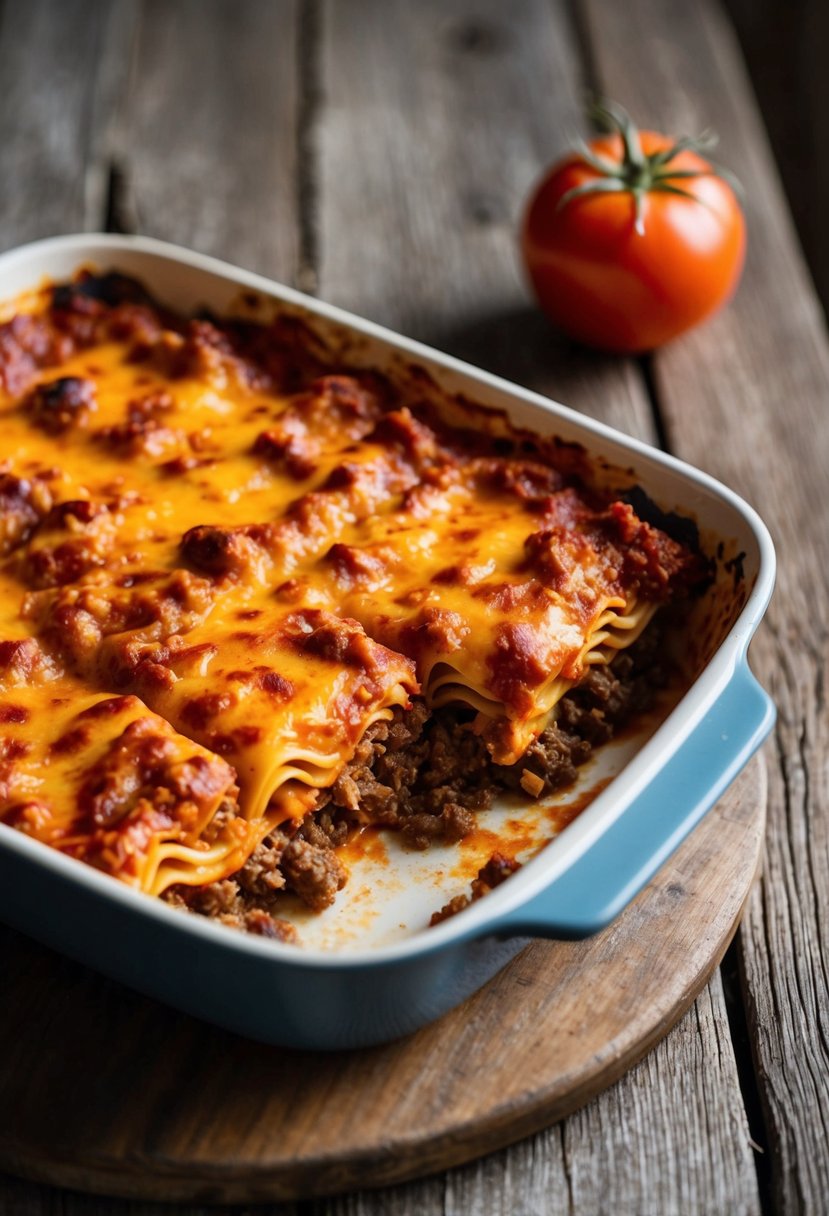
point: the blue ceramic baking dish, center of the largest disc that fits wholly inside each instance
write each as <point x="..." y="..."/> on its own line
<point x="359" y="980"/>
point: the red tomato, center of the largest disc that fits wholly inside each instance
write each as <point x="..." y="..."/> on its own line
<point x="629" y="244"/>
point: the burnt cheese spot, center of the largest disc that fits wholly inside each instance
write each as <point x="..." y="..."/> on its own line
<point x="199" y="711"/>
<point x="277" y="685"/>
<point x="62" y="403"/>
<point x="109" y="708"/>
<point x="72" y="741"/>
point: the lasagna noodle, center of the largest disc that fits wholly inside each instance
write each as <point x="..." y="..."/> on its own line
<point x="487" y="631"/>
<point x="614" y="630"/>
<point x="104" y="779"/>
<point x="284" y="696"/>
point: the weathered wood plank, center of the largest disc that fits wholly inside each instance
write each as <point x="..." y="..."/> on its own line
<point x="55" y="99"/>
<point x="435" y="121"/>
<point x="206" y="140"/>
<point x="605" y="1158"/>
<point x="18" y="1198"/>
<point x="691" y="1173"/>
<point x="746" y="398"/>
<point x="785" y="48"/>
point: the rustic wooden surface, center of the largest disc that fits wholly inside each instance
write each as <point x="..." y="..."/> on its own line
<point x="378" y="153"/>
<point x="210" y="1115"/>
<point x="786" y="46"/>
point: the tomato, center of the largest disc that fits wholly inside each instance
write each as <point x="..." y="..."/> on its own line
<point x="633" y="239"/>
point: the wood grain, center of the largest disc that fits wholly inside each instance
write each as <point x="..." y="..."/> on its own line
<point x="178" y="1110"/>
<point x="785" y="47"/>
<point x="49" y="123"/>
<point x="757" y="379"/>
<point x="590" y="1163"/>
<point x="465" y="105"/>
<point x="204" y="140"/>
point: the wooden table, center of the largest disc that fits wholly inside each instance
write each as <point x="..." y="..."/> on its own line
<point x="377" y="152"/>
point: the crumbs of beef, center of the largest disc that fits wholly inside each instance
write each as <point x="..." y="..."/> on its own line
<point x="425" y="776"/>
<point x="497" y="870"/>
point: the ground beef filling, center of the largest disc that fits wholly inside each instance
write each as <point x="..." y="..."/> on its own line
<point x="425" y="776"/>
<point x="491" y="875"/>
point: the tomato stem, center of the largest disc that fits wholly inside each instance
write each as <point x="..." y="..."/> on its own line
<point x="638" y="173"/>
<point x="638" y="217"/>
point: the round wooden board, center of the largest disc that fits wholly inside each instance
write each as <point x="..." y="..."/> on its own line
<point x="109" y="1092"/>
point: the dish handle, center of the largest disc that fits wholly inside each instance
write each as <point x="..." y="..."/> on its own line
<point x="593" y="891"/>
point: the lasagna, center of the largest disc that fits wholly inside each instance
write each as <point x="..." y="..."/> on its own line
<point x="253" y="600"/>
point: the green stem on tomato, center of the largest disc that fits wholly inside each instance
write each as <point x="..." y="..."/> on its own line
<point x="637" y="173"/>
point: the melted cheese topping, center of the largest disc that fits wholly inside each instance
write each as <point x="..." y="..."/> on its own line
<point x="250" y="563"/>
<point x="103" y="779"/>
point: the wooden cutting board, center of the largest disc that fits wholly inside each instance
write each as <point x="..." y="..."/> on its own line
<point x="107" y="1091"/>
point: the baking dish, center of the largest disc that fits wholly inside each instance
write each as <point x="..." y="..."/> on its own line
<point x="377" y="985"/>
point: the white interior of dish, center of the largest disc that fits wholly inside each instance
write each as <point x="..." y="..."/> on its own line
<point x="393" y="891"/>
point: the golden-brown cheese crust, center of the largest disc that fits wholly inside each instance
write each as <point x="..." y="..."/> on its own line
<point x="103" y="779"/>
